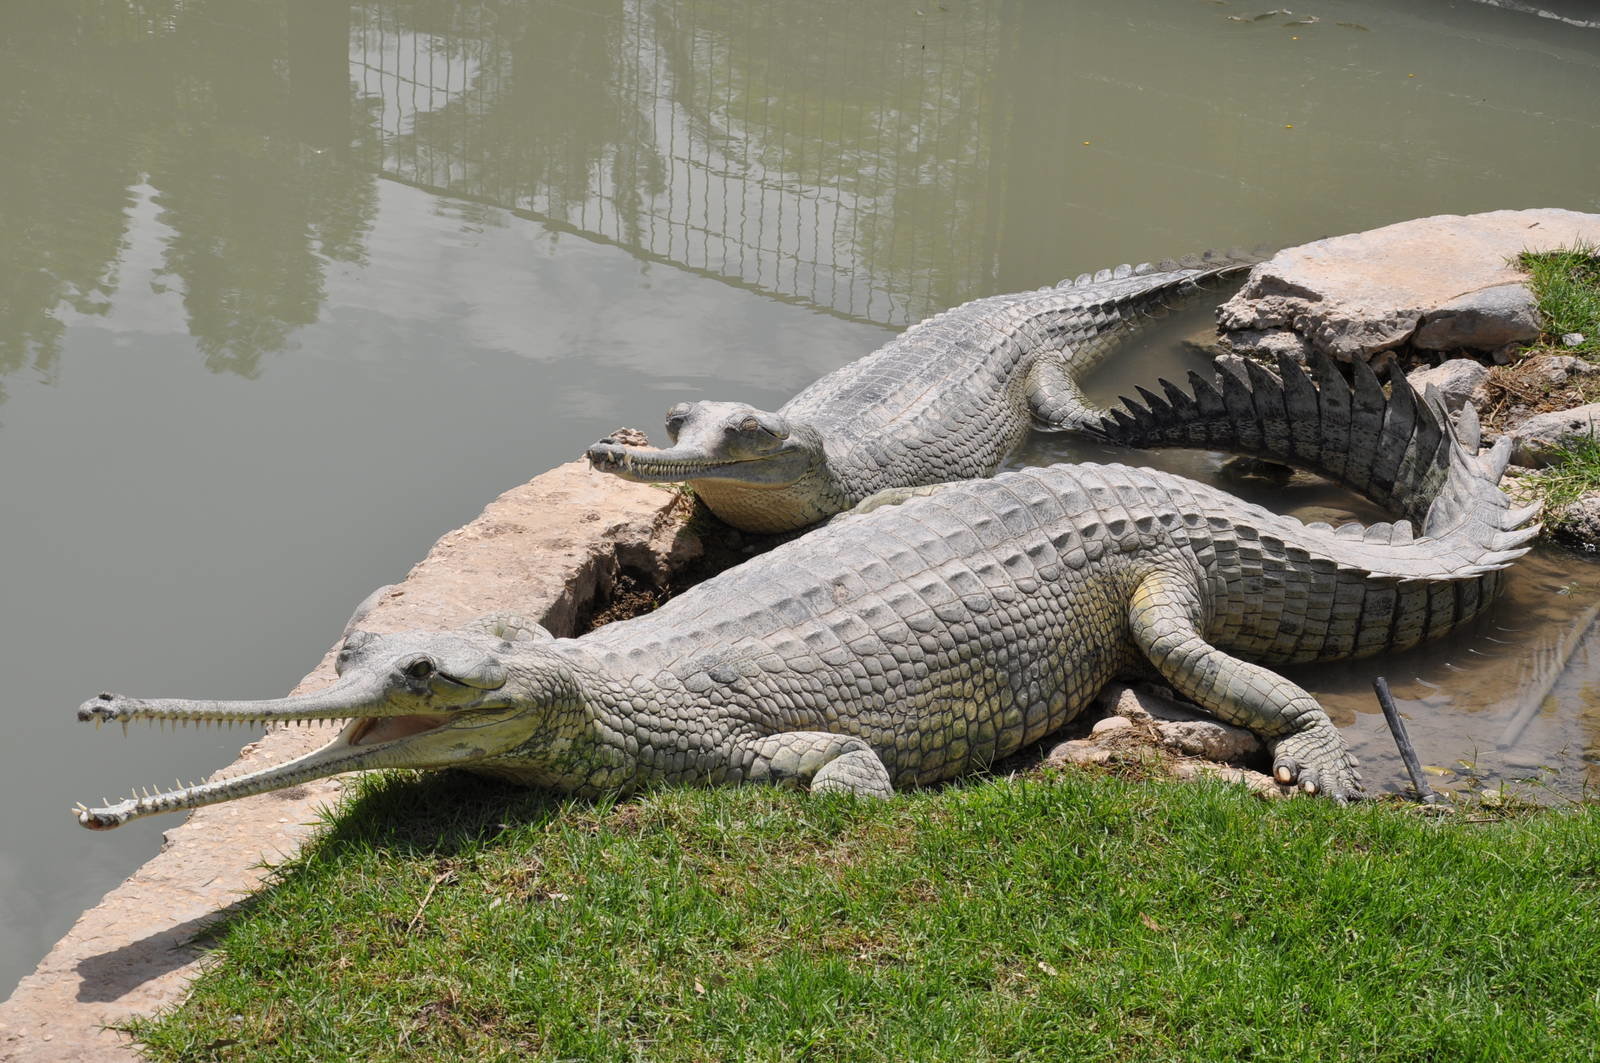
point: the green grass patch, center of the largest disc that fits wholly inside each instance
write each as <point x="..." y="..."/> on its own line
<point x="1573" y="472"/>
<point x="1566" y="286"/>
<point x="1073" y="917"/>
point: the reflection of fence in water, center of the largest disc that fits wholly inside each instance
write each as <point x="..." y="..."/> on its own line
<point x="850" y="175"/>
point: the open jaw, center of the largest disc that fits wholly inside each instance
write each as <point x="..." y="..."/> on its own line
<point x="400" y="740"/>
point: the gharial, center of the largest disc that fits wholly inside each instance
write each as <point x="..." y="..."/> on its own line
<point x="911" y="642"/>
<point x="945" y="400"/>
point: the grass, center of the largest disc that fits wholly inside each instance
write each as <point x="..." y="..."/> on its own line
<point x="1068" y="917"/>
<point x="1573" y="471"/>
<point x="1566" y="286"/>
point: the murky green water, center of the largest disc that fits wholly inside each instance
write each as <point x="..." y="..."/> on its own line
<point x="289" y="288"/>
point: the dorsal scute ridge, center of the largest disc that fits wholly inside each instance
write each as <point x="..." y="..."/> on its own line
<point x="1399" y="448"/>
<point x="1209" y="263"/>
<point x="1154" y="403"/>
<point x="1469" y="430"/>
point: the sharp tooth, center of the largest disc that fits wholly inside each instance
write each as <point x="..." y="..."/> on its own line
<point x="98" y="720"/>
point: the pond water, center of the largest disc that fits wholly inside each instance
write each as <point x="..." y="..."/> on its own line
<point x="288" y="288"/>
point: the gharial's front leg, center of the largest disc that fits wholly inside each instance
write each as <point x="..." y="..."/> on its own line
<point x="821" y="760"/>
<point x="891" y="496"/>
<point x="1306" y="748"/>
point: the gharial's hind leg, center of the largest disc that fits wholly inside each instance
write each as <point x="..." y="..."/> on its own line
<point x="1056" y="401"/>
<point x="1306" y="748"/>
<point x="821" y="760"/>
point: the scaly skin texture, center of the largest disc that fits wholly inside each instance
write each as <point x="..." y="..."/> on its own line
<point x="916" y="641"/>
<point x="946" y="400"/>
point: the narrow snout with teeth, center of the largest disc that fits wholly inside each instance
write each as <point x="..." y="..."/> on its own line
<point x="725" y="441"/>
<point x="419" y="699"/>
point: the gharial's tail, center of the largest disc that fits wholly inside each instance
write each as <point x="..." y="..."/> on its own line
<point x="1084" y="318"/>
<point x="1398" y="449"/>
<point x="1187" y="273"/>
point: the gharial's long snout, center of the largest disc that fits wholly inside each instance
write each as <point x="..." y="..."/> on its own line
<point x="414" y="700"/>
<point x="648" y="465"/>
<point x="343" y="701"/>
<point x="715" y="441"/>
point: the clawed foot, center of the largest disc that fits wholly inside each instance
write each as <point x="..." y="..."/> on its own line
<point x="1318" y="761"/>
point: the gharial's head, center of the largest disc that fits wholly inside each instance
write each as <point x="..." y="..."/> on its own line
<point x="413" y="700"/>
<point x="718" y="441"/>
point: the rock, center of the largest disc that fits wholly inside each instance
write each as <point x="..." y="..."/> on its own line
<point x="1456" y="380"/>
<point x="1267" y="344"/>
<point x="1572" y="339"/>
<point x="1354" y="296"/>
<point x="1482" y="320"/>
<point x="628" y="437"/>
<point x="1078" y="751"/>
<point x="1557" y="370"/>
<point x="1110" y="723"/>
<point x="1579" y="522"/>
<point x="1534" y="440"/>
<point x="1180" y="729"/>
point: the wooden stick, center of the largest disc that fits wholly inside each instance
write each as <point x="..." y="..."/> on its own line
<point x="1408" y="752"/>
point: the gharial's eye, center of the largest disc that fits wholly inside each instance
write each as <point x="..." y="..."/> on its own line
<point x="749" y="424"/>
<point x="421" y="668"/>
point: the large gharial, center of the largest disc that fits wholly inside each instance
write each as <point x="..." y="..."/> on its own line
<point x="912" y="642"/>
<point x="945" y="400"/>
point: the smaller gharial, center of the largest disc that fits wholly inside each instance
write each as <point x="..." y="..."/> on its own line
<point x="940" y="628"/>
<point x="945" y="400"/>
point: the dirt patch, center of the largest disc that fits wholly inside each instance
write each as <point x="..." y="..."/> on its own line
<point x="636" y="590"/>
<point x="1532" y="385"/>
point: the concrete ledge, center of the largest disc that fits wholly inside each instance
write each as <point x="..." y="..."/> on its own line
<point x="550" y="550"/>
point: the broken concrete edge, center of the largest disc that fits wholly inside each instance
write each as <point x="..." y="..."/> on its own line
<point x="550" y="550"/>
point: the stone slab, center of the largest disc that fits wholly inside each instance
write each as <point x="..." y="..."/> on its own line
<point x="1356" y="295"/>
<point x="1535" y="441"/>
<point x="542" y="549"/>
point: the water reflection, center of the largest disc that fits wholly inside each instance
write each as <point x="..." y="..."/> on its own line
<point x="240" y="117"/>
<point x="873" y="159"/>
<point x="832" y="152"/>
